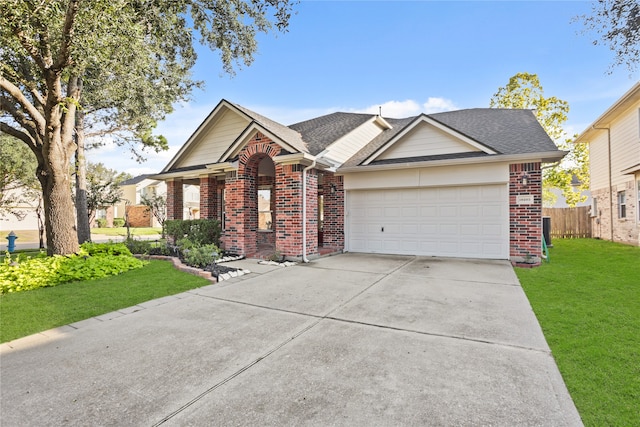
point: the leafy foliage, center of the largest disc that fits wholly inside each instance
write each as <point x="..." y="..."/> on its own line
<point x="201" y="256"/>
<point x="617" y="24"/>
<point x="122" y="62"/>
<point x="158" y="207"/>
<point x="94" y="260"/>
<point x="103" y="187"/>
<point x="525" y="91"/>
<point x="199" y="231"/>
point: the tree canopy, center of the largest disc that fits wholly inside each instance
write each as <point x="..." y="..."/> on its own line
<point x="617" y="25"/>
<point x="112" y="59"/>
<point x="571" y="175"/>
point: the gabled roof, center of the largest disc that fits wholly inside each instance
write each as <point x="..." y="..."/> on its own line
<point x="487" y="131"/>
<point x="503" y="131"/>
<point x="604" y="121"/>
<point x="136" y="179"/>
<point x="287" y="134"/>
<point x="322" y="131"/>
<point x="290" y="136"/>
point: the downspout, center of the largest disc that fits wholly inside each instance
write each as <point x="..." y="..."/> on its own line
<point x="304" y="211"/>
<point x="608" y="129"/>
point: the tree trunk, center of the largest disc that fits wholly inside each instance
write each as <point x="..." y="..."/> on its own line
<point x="59" y="211"/>
<point x="53" y="169"/>
<point x="82" y="213"/>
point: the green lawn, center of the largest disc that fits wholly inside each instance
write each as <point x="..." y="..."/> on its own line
<point x="122" y="231"/>
<point x="25" y="313"/>
<point x="587" y="300"/>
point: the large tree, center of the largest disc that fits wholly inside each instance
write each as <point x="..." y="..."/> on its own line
<point x="50" y="50"/>
<point x="617" y="25"/>
<point x="525" y="91"/>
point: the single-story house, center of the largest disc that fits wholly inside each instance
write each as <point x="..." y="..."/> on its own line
<point x="614" y="169"/>
<point x="462" y="183"/>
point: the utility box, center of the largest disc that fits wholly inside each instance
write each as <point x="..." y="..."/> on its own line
<point x="546" y="230"/>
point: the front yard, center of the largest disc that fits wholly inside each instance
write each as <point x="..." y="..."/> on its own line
<point x="587" y="300"/>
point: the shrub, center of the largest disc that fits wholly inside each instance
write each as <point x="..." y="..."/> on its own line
<point x="94" y="260"/>
<point x="102" y="223"/>
<point x="118" y="222"/>
<point x="199" y="231"/>
<point x="201" y="256"/>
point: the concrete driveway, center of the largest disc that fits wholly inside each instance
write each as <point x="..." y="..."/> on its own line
<point x="354" y="340"/>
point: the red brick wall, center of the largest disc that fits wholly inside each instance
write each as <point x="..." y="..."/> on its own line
<point x="208" y="199"/>
<point x="525" y="221"/>
<point x="174" y="199"/>
<point x="138" y="216"/>
<point x="333" y="211"/>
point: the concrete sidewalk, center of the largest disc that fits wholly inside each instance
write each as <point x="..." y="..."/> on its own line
<point x="345" y="340"/>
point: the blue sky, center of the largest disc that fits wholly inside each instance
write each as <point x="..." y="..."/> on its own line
<point x="408" y="57"/>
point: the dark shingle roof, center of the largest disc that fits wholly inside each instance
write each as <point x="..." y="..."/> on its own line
<point x="506" y="131"/>
<point x="320" y="132"/>
<point x="136" y="179"/>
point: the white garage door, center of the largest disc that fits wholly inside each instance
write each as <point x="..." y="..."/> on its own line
<point x="468" y="222"/>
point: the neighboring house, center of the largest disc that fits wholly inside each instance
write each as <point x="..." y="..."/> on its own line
<point x="27" y="220"/>
<point x="561" y="201"/>
<point x="135" y="189"/>
<point x="614" y="156"/>
<point x="456" y="184"/>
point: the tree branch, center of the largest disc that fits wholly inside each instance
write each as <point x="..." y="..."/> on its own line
<point x="15" y="93"/>
<point x="64" y="55"/>
<point x="22" y="136"/>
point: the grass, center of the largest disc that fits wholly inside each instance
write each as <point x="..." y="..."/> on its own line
<point x="587" y="300"/>
<point x="26" y="313"/>
<point x="122" y="231"/>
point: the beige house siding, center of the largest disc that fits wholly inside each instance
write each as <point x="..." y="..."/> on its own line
<point x="607" y="180"/>
<point x="497" y="173"/>
<point x="345" y="147"/>
<point x="426" y="140"/>
<point x="214" y="140"/>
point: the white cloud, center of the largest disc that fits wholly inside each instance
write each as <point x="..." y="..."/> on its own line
<point x="438" y="105"/>
<point x="409" y="107"/>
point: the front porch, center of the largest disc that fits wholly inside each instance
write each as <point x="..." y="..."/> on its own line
<point x="270" y="204"/>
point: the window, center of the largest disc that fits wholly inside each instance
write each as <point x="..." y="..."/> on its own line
<point x="265" y="220"/>
<point x="622" y="206"/>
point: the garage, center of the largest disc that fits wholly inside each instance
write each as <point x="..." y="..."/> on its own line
<point x="470" y="221"/>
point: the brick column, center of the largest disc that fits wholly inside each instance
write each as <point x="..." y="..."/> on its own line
<point x="525" y="220"/>
<point x="289" y="210"/>
<point x="208" y="197"/>
<point x="175" y="205"/>
<point x="333" y="191"/>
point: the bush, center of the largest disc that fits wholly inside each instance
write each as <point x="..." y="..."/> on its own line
<point x="94" y="260"/>
<point x="201" y="256"/>
<point x="118" y="222"/>
<point x="199" y="231"/>
<point x="102" y="223"/>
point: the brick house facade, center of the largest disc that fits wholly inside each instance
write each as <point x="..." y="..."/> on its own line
<point x="614" y="168"/>
<point x="339" y="182"/>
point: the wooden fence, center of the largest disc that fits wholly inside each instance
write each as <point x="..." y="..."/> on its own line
<point x="568" y="223"/>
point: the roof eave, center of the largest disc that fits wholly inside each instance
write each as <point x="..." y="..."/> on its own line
<point x="605" y="119"/>
<point x="543" y="157"/>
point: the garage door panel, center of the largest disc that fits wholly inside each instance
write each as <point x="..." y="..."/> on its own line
<point x="446" y="221"/>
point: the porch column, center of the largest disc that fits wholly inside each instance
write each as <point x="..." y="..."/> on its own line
<point x="175" y="205"/>
<point x="525" y="217"/>
<point x="333" y="191"/>
<point x="208" y="197"/>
